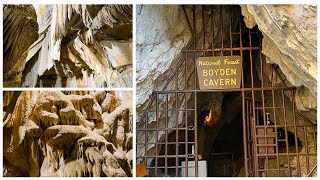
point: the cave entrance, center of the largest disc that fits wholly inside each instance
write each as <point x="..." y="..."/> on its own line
<point x="175" y="137"/>
<point x="221" y="145"/>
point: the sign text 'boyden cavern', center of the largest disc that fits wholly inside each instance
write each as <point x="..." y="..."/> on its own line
<point x="219" y="72"/>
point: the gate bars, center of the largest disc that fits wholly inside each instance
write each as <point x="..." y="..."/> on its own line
<point x="276" y="141"/>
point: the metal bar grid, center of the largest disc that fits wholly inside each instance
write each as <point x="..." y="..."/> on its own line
<point x="282" y="152"/>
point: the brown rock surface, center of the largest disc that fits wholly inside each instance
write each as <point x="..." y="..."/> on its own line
<point x="16" y="40"/>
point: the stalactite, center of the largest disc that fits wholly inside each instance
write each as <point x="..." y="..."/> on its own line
<point x="64" y="40"/>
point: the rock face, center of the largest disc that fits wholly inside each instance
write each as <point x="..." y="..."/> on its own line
<point x="158" y="48"/>
<point x="290" y="41"/>
<point x="16" y="40"/>
<point x="69" y="133"/>
<point x="78" y="46"/>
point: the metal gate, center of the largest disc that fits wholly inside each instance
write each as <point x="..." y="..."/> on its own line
<point x="274" y="136"/>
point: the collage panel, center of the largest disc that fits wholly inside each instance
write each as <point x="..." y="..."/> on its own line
<point x="64" y="45"/>
<point x="226" y="90"/>
<point x="67" y="133"/>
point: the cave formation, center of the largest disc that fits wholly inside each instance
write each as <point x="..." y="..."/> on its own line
<point x="67" y="133"/>
<point x="67" y="45"/>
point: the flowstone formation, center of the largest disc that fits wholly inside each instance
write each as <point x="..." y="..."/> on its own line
<point x="288" y="42"/>
<point x="68" y="133"/>
<point x="67" y="45"/>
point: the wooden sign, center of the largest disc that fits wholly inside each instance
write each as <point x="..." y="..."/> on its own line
<point x="219" y="72"/>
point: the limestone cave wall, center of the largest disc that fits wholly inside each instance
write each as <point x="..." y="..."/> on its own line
<point x="290" y="41"/>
